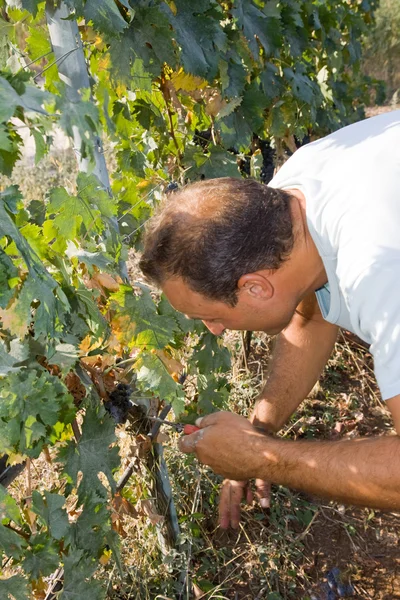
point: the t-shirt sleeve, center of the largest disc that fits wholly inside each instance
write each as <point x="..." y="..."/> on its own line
<point x="376" y="306"/>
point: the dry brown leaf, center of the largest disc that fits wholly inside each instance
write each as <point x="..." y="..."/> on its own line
<point x="215" y="104"/>
<point x="162" y="438"/>
<point x="120" y="508"/>
<point x="75" y="386"/>
<point x="106" y="281"/>
<point x="143" y="445"/>
<point x="147" y="508"/>
<point x="171" y="364"/>
<point x="39" y="587"/>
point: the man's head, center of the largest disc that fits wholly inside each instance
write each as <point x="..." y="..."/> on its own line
<point x="212" y="232"/>
<point x="213" y="247"/>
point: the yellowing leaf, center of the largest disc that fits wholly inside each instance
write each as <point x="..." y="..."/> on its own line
<point x="147" y="507"/>
<point x="143" y="184"/>
<point x="186" y="82"/>
<point x="105" y="557"/>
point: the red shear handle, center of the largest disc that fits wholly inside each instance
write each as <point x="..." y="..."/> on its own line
<point x="188" y="429"/>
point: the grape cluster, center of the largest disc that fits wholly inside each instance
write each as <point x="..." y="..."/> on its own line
<point x="171" y="187"/>
<point x="119" y="403"/>
<point x="268" y="166"/>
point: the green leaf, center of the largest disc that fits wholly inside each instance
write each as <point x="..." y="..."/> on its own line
<point x="78" y="578"/>
<point x="31" y="6"/>
<point x="212" y="397"/>
<point x="210" y="356"/>
<point x="92" y="455"/>
<point x="219" y="163"/>
<point x="253" y="106"/>
<point x="5" y="142"/>
<point x="70" y="212"/>
<point x="65" y="355"/>
<point x="92" y="527"/>
<point x="271" y="81"/>
<point x="15" y="587"/>
<point x="197" y="31"/>
<point x="9" y="510"/>
<point x="37" y="42"/>
<point x="105" y="16"/>
<point x="41" y="147"/>
<point x="303" y="88"/>
<point x="50" y="509"/>
<point x="257" y="26"/>
<point x="42" y="558"/>
<point x="31" y="407"/>
<point x="12" y="543"/>
<point x="151" y="329"/>
<point x="153" y="377"/>
<point x="92" y="192"/>
<point x="98" y="259"/>
<point x="8" y="274"/>
<point x="9" y="100"/>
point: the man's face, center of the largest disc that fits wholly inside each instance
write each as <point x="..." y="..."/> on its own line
<point x="251" y="313"/>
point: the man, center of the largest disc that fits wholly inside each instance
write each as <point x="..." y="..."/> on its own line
<point x="317" y="249"/>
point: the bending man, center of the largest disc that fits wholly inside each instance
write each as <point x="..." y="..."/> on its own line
<point x="317" y="249"/>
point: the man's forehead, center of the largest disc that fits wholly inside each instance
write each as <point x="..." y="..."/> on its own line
<point x="187" y="301"/>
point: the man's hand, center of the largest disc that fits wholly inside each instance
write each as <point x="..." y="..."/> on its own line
<point x="233" y="492"/>
<point x="229" y="444"/>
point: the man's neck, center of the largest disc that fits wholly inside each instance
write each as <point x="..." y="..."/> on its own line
<point x="307" y="263"/>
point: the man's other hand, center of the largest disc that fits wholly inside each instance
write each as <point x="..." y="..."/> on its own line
<point x="232" y="494"/>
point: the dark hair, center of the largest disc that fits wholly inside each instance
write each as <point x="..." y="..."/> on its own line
<point x="212" y="232"/>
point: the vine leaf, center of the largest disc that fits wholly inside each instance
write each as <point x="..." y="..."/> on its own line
<point x="42" y="558"/>
<point x="50" y="510"/>
<point x="9" y="510"/>
<point x="92" y="455"/>
<point x="78" y="580"/>
<point x="198" y="33"/>
<point x="12" y="543"/>
<point x="14" y="587"/>
<point x="151" y="329"/>
<point x="105" y="15"/>
<point x="258" y="26"/>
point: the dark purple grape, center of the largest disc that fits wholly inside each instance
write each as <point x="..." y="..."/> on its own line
<point x="171" y="187"/>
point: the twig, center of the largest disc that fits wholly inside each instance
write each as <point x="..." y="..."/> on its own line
<point x="76" y="430"/>
<point x="123" y="480"/>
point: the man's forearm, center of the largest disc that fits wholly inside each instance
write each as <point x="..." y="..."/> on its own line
<point x="363" y="471"/>
<point x="299" y="356"/>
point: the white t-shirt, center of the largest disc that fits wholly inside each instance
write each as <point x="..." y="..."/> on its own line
<point x="351" y="182"/>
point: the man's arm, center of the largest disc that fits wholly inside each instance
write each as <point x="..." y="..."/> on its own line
<point x="364" y="472"/>
<point x="299" y="356"/>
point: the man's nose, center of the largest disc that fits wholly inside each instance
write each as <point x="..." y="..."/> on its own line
<point x="215" y="328"/>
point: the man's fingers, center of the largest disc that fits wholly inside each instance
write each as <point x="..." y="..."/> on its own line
<point x="229" y="503"/>
<point x="224" y="509"/>
<point x="210" y="419"/>
<point x="188" y="443"/>
<point x="263" y="493"/>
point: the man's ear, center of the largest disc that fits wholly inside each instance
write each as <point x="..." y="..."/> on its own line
<point x="256" y="285"/>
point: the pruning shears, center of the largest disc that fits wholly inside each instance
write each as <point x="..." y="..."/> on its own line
<point x="184" y="428"/>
